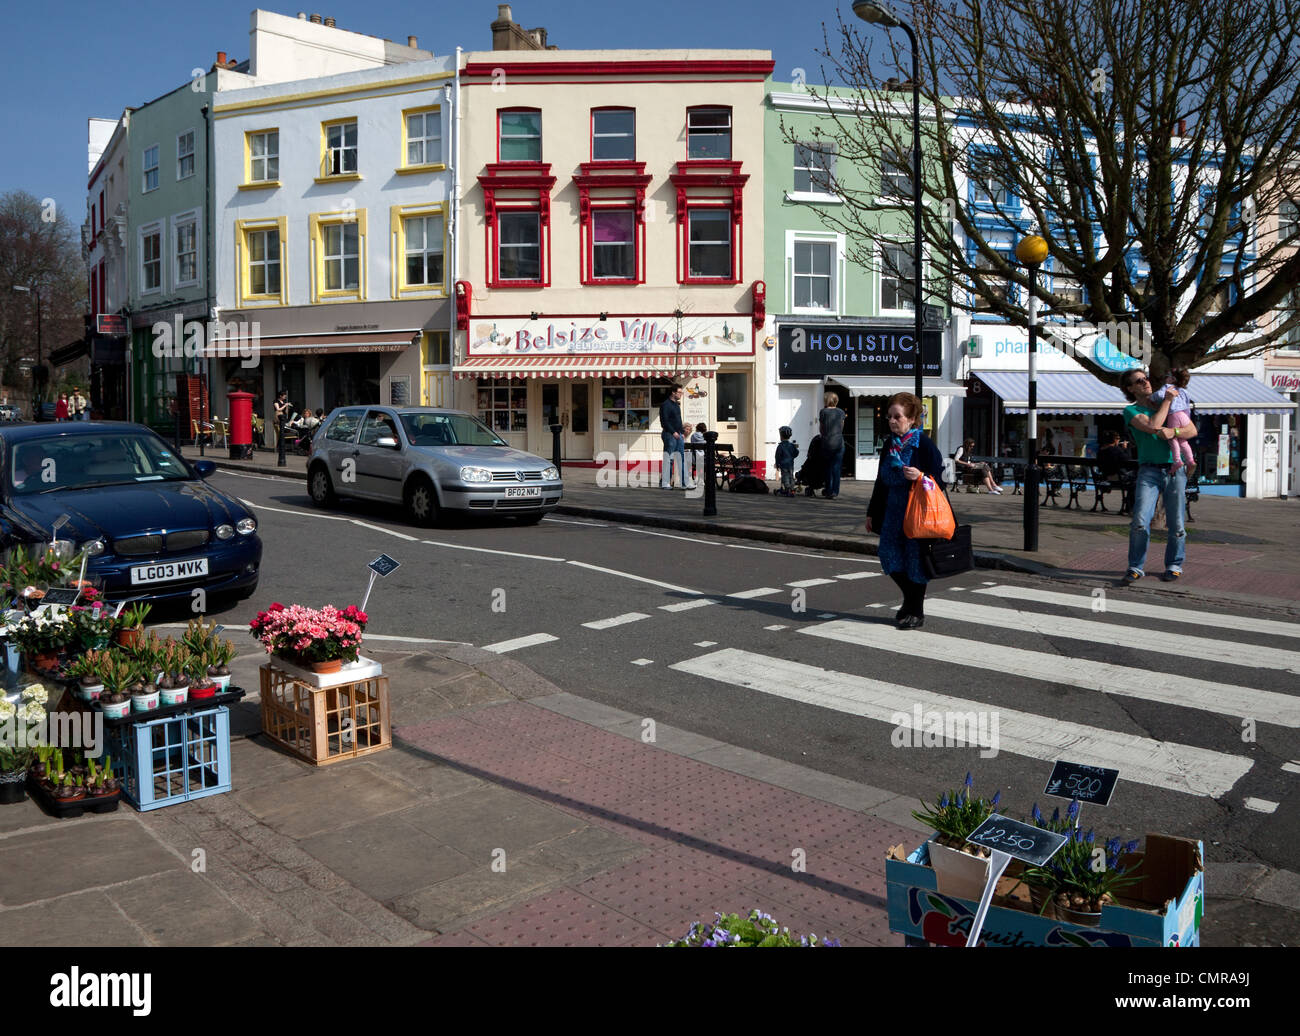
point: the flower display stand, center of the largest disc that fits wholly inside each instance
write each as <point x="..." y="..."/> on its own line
<point x="323" y="718"/>
<point x="1163" y="909"/>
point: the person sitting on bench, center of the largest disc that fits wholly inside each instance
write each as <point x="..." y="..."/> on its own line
<point x="966" y="467"/>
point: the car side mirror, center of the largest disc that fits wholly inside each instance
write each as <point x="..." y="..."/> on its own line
<point x="204" y="468"/>
<point x="388" y="442"/>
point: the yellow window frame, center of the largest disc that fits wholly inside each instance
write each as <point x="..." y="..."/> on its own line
<point x="317" y="222"/>
<point x="325" y="175"/>
<point x="245" y="227"/>
<point x="403" y="167"/>
<point x="398" y="215"/>
<point x="249" y="183"/>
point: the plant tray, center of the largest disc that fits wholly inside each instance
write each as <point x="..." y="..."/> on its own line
<point x="61" y="808"/>
<point x="1163" y="909"/>
<point x="226" y="697"/>
<point x="323" y="725"/>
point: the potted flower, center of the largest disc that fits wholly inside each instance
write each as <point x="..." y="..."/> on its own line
<point x="321" y="639"/>
<point x="92" y="626"/>
<point x="41" y="638"/>
<point x="144" y="694"/>
<point x="87" y="670"/>
<point x="100" y="781"/>
<point x="201" y="684"/>
<point x="130" y="624"/>
<point x="1071" y="884"/>
<point x="961" y="868"/>
<point x="220" y="655"/>
<point x="115" y="701"/>
<point x="758" y="929"/>
<point x="18" y="740"/>
<point x="175" y="661"/>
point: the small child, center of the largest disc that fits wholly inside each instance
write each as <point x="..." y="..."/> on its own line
<point x="1179" y="415"/>
<point x="786" y="451"/>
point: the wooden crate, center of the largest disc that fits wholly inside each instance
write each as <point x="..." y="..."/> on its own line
<point x="342" y="719"/>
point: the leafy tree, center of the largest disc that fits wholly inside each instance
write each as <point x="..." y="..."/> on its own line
<point x="1148" y="142"/>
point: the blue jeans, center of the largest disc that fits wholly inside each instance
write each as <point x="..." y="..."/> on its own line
<point x="1153" y="480"/>
<point x="674" y="450"/>
<point x="834" y="460"/>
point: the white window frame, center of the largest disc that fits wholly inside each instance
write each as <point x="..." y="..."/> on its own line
<point x="180" y="222"/>
<point x="794" y="238"/>
<point x="426" y="251"/>
<point x="825" y="148"/>
<point x="147" y="168"/>
<point x="182" y="155"/>
<point x="342" y="148"/>
<point x="156" y="229"/>
<point x="906" y="246"/>
<point x="893" y="166"/>
<point x="272" y="229"/>
<point x="341" y="258"/>
<point x="265" y="158"/>
<point x="430" y="146"/>
<point x="1289" y="345"/>
<point x="1288" y="221"/>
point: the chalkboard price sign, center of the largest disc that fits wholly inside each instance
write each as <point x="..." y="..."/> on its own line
<point x="383" y="565"/>
<point x="1085" y="783"/>
<point x="61" y="595"/>
<point x="1023" y="841"/>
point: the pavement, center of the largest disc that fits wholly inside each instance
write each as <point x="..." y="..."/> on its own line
<point x="510" y="812"/>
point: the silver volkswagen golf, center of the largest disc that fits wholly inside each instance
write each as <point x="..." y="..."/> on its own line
<point x="430" y="460"/>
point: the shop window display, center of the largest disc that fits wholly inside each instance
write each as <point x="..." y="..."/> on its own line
<point x="503" y="404"/>
<point x="630" y="405"/>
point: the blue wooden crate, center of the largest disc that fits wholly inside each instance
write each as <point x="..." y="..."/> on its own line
<point x="173" y="759"/>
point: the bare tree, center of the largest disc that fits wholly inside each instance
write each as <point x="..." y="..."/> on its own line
<point x="1143" y="139"/>
<point x="37" y="250"/>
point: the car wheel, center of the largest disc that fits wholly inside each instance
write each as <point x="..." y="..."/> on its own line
<point x="421" y="501"/>
<point x="319" y="486"/>
<point x="531" y="519"/>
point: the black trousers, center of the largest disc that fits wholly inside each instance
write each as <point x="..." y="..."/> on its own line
<point x="913" y="594"/>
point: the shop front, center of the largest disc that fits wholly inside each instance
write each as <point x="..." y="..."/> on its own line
<point x="1285" y="381"/>
<point x="602" y="382"/>
<point x="863" y="364"/>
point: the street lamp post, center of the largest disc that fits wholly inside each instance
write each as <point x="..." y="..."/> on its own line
<point x="1031" y="251"/>
<point x="40" y="360"/>
<point x="878" y="14"/>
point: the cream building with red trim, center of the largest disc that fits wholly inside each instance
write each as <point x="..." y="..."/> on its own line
<point x="609" y="243"/>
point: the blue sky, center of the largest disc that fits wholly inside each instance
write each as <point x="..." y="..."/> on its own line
<point x="74" y="60"/>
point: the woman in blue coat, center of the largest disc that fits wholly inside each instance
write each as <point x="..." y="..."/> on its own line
<point x="908" y="454"/>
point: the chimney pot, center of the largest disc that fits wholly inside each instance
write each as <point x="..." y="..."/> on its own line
<point x="412" y="42"/>
<point x="315" y="19"/>
<point x="221" y="58"/>
<point x="503" y="13"/>
<point x="329" y="22"/>
<point x="302" y="17"/>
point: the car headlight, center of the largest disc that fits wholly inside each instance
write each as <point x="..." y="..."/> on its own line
<point x="475" y="475"/>
<point x="225" y="532"/>
<point x="94" y="548"/>
<point x="551" y="474"/>
<point x="246" y="526"/>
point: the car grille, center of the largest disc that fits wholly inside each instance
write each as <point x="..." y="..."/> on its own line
<point x="157" y="543"/>
<point x="509" y="476"/>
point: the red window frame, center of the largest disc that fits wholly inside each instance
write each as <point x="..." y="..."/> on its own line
<point x="517" y="111"/>
<point x="516" y="187"/>
<point x="714" y="184"/>
<point x="602" y="187"/>
<point x="638" y="243"/>
<point x="592" y="132"/>
<point x="684" y="245"/>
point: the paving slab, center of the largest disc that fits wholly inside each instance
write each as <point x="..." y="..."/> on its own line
<point x="255" y="762"/>
<point x="484" y="820"/>
<point x="325" y="799"/>
<point x="461" y="899"/>
<point x="183" y="909"/>
<point x="74" y="920"/>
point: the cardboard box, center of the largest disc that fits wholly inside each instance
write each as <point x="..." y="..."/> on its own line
<point x="1163" y="909"/>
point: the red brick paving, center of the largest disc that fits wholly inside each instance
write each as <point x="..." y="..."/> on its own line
<point x="718" y="841"/>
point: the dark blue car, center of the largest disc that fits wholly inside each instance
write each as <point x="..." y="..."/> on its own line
<point x="153" y="527"/>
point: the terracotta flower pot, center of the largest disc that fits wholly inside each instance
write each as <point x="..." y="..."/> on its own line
<point x="331" y="666"/>
<point x="43" y="659"/>
<point x="129" y="638"/>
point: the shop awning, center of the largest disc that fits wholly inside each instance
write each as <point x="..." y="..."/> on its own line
<point x="317" y="344"/>
<point x="1071" y="392"/>
<point x="644" y="365"/>
<point x="888" y="386"/>
<point x="71" y="351"/>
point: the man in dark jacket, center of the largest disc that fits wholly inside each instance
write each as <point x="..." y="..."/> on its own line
<point x="673" y="433"/>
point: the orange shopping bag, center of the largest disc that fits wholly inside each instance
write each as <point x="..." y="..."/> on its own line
<point x="928" y="515"/>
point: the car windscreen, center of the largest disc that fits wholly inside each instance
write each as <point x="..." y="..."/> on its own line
<point x="449" y="430"/>
<point x="86" y="461"/>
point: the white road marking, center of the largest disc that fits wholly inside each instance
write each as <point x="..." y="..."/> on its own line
<point x="410" y="640"/>
<point x="762" y="591"/>
<point x="617" y="620"/>
<point x="519" y="642"/>
<point x="1292" y="767"/>
<point x="858" y="575"/>
<point x="487" y="550"/>
<point x="639" y="579"/>
<point x="1169" y="689"/>
<point x="774" y="628"/>
<point x="1160" y="764"/>
<point x="826" y="615"/>
<point x="643" y="661"/>
<point x="570" y="521"/>
<point x="707" y="643"/>
<point x="685" y="606"/>
<point x="390" y="532"/>
<point x="300" y="514"/>
<point x="812" y="582"/>
<point x="1261" y="805"/>
<point x="1158" y="641"/>
<point x="1221" y="620"/>
<point x="666" y="535"/>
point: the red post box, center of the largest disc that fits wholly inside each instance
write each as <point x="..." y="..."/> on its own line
<point x="241" y="424"/>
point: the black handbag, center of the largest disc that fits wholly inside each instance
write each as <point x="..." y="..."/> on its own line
<point x="942" y="558"/>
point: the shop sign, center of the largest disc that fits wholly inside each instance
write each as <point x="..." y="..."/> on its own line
<point x="1284" y="381"/>
<point x="110" y="324"/>
<point x="576" y="336"/>
<point x="818" y="351"/>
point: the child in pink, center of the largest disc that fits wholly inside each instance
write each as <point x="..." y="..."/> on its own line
<point x="1179" y="416"/>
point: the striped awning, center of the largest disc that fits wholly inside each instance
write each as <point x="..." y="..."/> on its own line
<point x="1071" y="392"/>
<point x="317" y="344"/>
<point x="643" y="365"/>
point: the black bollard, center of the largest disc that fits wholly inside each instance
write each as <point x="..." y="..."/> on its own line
<point x="555" y="445"/>
<point x="710" y="482"/>
<point x="1031" y="506"/>
<point x="280" y="462"/>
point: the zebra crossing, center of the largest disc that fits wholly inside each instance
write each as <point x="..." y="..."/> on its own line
<point x="975" y="638"/>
